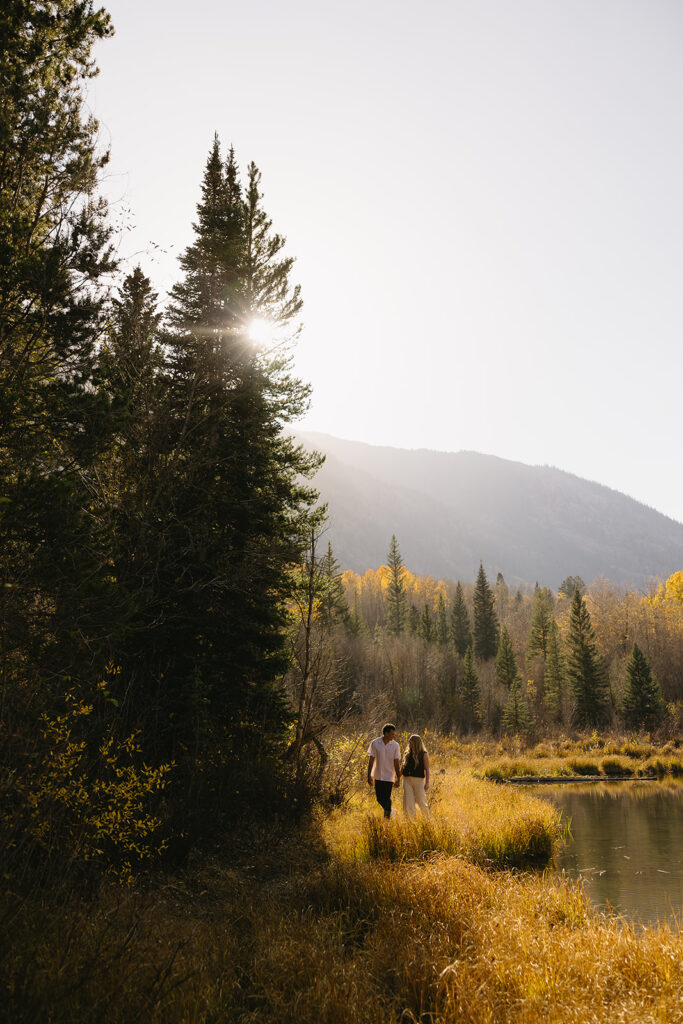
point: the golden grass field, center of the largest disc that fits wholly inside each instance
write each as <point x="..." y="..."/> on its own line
<point x="451" y="921"/>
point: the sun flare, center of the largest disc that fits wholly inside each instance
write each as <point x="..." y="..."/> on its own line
<point x="260" y="331"/>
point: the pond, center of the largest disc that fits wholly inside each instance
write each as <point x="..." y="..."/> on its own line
<point x="626" y="844"/>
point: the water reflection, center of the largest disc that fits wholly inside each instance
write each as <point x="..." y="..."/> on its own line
<point x="627" y="845"/>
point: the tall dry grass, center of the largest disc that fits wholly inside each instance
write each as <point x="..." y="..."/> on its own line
<point x="319" y="928"/>
<point x="440" y="941"/>
<point x="449" y="942"/>
<point x="470" y="818"/>
<point x="581" y="755"/>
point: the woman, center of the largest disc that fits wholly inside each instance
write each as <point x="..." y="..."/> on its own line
<point x="415" y="772"/>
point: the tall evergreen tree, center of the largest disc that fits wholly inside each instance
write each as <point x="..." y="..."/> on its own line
<point x="502" y="595"/>
<point x="130" y="371"/>
<point x="396" y="596"/>
<point x="506" y="663"/>
<point x="460" y="622"/>
<point x="553" y="674"/>
<point x="516" y="715"/>
<point x="413" y="619"/>
<point x="128" y="478"/>
<point x="211" y="296"/>
<point x="268" y="292"/>
<point x="486" y="625"/>
<point x="585" y="669"/>
<point x="644" y="706"/>
<point x="571" y="583"/>
<point x="442" y="631"/>
<point x="426" y="627"/>
<point x="54" y="251"/>
<point x="541" y="624"/>
<point x="232" y="514"/>
<point x="354" y="623"/>
<point x="333" y="606"/>
<point x="470" y="693"/>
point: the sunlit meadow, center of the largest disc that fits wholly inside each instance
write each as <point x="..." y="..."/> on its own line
<point x="448" y="919"/>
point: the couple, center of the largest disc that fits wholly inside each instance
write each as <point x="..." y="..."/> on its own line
<point x="384" y="765"/>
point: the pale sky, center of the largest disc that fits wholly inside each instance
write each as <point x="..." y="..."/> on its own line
<point x="484" y="199"/>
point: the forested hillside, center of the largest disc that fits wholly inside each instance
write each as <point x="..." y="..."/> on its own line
<point x="451" y="510"/>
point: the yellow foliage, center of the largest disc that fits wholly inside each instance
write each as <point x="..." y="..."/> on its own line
<point x="93" y="807"/>
<point x="383" y="577"/>
<point x="673" y="588"/>
<point x="670" y="592"/>
<point x="351" y="581"/>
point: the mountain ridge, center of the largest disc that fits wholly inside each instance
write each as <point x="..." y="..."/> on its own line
<point x="449" y="510"/>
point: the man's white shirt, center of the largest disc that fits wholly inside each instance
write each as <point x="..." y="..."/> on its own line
<point x="384" y="754"/>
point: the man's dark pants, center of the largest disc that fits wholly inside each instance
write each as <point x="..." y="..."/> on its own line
<point x="383" y="794"/>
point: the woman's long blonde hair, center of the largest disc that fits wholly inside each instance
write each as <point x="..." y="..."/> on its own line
<point x="415" y="747"/>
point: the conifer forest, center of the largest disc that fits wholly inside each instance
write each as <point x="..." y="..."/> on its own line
<point x="188" y="678"/>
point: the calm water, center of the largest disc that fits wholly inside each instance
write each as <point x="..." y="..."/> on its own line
<point x="627" y="845"/>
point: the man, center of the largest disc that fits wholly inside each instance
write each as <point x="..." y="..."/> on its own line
<point x="384" y="765"/>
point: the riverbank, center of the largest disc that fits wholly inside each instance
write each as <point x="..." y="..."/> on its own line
<point x="580" y="756"/>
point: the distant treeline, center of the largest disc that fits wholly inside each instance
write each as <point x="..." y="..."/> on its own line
<point x="466" y="656"/>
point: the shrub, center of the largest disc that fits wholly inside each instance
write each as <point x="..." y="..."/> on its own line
<point x="614" y="766"/>
<point x="75" y="808"/>
<point x="582" y="766"/>
<point x="635" y="750"/>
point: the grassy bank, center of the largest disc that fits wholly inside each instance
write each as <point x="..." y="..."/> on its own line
<point x="625" y="760"/>
<point x="607" y="756"/>
<point x="469" y="820"/>
<point x="351" y="920"/>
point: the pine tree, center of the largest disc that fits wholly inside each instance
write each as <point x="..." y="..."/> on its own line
<point x="486" y="626"/>
<point x="470" y="694"/>
<point x="130" y="472"/>
<point x="644" y="706"/>
<point x="333" y="606"/>
<point x="553" y="674"/>
<point x="426" y="627"/>
<point x="460" y="622"/>
<point x="413" y="619"/>
<point x="502" y="595"/>
<point x="268" y="293"/>
<point x="516" y="715"/>
<point x="442" y="631"/>
<point x="585" y="669"/>
<point x="506" y="663"/>
<point x="354" y="623"/>
<point x="541" y="624"/>
<point x="54" y="253"/>
<point x="571" y="583"/>
<point x="232" y="513"/>
<point x="130" y="371"/>
<point x="211" y="295"/>
<point x="396" y="595"/>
